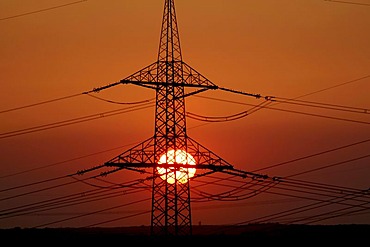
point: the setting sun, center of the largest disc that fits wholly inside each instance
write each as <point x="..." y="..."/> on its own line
<point x="178" y="157"/>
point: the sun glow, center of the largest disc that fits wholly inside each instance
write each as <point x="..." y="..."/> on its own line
<point x="179" y="157"/>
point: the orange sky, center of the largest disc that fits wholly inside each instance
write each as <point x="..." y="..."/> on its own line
<point x="279" y="48"/>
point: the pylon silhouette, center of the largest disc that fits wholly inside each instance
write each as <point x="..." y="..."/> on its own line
<point x="170" y="150"/>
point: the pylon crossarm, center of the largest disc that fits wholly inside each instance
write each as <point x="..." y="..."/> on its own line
<point x="175" y="84"/>
<point x="150" y="77"/>
<point x="202" y="174"/>
<point x="257" y="96"/>
<point x="193" y="93"/>
<point x="212" y="167"/>
<point x="104" y="174"/>
<point x="192" y="76"/>
<point x="124" y="81"/>
<point x="155" y="74"/>
<point x="98" y="89"/>
<point x="146" y="85"/>
<point x="131" y="168"/>
<point x="152" y="85"/>
<point x="148" y="73"/>
<point x="215" y="168"/>
<point x="82" y="172"/>
<point x="130" y="165"/>
<point x="140" y="153"/>
<point x="204" y="156"/>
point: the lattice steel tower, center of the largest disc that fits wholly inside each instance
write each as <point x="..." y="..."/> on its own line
<point x="169" y="76"/>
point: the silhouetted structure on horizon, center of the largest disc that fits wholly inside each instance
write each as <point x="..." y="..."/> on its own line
<point x="171" y="153"/>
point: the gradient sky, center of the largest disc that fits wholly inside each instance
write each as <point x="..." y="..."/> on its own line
<point x="285" y="48"/>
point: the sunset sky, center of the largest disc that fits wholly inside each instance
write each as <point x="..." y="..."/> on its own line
<point x="314" y="51"/>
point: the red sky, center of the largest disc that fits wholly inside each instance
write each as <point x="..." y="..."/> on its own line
<point x="280" y="48"/>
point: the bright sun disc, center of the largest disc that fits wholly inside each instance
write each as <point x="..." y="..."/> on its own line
<point x="178" y="157"/>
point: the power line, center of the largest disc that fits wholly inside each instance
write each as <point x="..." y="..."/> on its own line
<point x="120" y="103"/>
<point x="312" y="104"/>
<point x="348" y="198"/>
<point x="347" y="2"/>
<point x="237" y="116"/>
<point x="228" y="192"/>
<point x="291" y="185"/>
<point x="285" y="110"/>
<point x="34" y="183"/>
<point x="36" y="191"/>
<point x="208" y="118"/>
<point x="319" y="115"/>
<point x="41" y="103"/>
<point x="148" y="104"/>
<point x="328" y="216"/>
<point x="41" y="10"/>
<point x="66" y="161"/>
<point x="121" y="218"/>
<point x="92" y="213"/>
<point x="337" y="195"/>
<point x="76" y="199"/>
<point x="328" y="166"/>
<point x="277" y="100"/>
<point x="72" y="96"/>
<point x="335" y="86"/>
<point x="119" y="147"/>
<point x="69" y="200"/>
<point x="313" y="155"/>
<point x="74" y="120"/>
<point x="320" y="105"/>
<point x="313" y="206"/>
<point x="257" y="187"/>
<point x="63" y="202"/>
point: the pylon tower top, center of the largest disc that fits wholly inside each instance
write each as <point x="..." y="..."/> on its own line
<point x="169" y="45"/>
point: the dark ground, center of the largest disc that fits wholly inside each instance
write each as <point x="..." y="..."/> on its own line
<point x="261" y="234"/>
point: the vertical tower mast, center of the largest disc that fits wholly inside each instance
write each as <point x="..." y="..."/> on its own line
<point x="170" y="202"/>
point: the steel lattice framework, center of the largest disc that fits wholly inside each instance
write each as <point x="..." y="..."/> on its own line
<point x="169" y="76"/>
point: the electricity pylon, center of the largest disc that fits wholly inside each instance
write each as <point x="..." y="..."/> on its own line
<point x="169" y="76"/>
